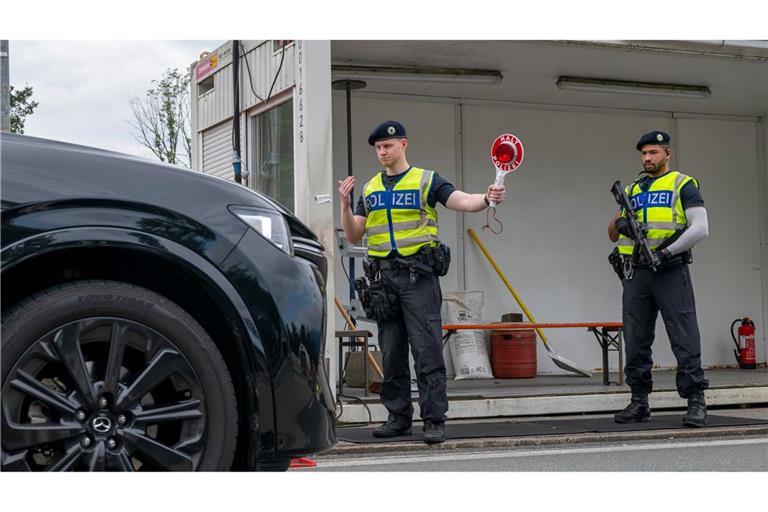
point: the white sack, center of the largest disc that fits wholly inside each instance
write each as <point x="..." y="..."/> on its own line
<point x="469" y="350"/>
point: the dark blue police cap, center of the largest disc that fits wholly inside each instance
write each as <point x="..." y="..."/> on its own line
<point x="386" y="130"/>
<point x="654" y="137"/>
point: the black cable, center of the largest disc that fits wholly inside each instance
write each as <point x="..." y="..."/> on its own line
<point x="340" y="396"/>
<point x="341" y="404"/>
<point x="253" y="90"/>
<point x="344" y="267"/>
<point x="354" y="324"/>
<point x="341" y="407"/>
<point x="370" y="417"/>
<point x="250" y="77"/>
<point x="274" y="81"/>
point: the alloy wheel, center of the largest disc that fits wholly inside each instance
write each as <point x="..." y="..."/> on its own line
<point x="102" y="394"/>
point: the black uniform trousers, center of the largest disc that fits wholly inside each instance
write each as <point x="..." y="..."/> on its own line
<point x="419" y="324"/>
<point x="669" y="290"/>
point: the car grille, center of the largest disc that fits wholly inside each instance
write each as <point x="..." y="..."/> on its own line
<point x="312" y="251"/>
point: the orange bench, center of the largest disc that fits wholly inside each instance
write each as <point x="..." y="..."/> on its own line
<point x="610" y="336"/>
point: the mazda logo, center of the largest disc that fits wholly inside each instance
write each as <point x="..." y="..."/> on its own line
<point x="101" y="424"/>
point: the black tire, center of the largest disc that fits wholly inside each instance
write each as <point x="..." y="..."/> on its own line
<point x="164" y="400"/>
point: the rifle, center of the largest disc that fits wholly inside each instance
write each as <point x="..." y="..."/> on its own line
<point x="639" y="233"/>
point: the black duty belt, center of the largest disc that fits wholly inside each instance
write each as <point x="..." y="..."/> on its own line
<point x="414" y="264"/>
<point x="428" y="260"/>
<point x="400" y="262"/>
<point x="673" y="262"/>
<point x="392" y="264"/>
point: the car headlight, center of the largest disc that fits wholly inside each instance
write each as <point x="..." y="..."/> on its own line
<point x="269" y="224"/>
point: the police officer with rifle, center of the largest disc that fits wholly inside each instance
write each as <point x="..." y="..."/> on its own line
<point x="661" y="217"/>
<point x="397" y="212"/>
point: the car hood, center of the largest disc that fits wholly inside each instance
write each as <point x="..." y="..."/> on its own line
<point x="47" y="170"/>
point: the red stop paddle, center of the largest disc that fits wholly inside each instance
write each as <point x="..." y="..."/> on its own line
<point x="506" y="154"/>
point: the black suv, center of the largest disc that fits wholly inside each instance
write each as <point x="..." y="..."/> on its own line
<point x="154" y="318"/>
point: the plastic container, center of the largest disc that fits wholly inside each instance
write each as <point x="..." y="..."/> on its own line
<point x="513" y="354"/>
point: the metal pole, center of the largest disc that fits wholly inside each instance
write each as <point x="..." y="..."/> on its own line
<point x="352" y="192"/>
<point x="5" y="89"/>
<point x="348" y="85"/>
<point x="236" y="163"/>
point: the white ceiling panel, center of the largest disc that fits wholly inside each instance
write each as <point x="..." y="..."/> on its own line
<point x="739" y="82"/>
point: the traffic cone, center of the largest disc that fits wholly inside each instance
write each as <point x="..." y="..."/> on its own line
<point x="302" y="462"/>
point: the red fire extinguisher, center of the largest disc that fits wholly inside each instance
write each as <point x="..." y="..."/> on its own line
<point x="745" y="344"/>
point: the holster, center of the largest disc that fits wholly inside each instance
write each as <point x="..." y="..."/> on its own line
<point x="441" y="255"/>
<point x="617" y="262"/>
<point x="379" y="302"/>
<point x="364" y="294"/>
<point x="385" y="304"/>
<point x="437" y="258"/>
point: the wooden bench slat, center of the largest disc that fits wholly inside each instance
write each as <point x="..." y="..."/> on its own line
<point x="521" y="325"/>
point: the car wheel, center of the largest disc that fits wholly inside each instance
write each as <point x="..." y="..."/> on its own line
<point x="104" y="375"/>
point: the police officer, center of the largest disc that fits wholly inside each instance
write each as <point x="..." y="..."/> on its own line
<point x="670" y="204"/>
<point x="397" y="212"/>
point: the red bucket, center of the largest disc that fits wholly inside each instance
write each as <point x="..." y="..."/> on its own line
<point x="513" y="354"/>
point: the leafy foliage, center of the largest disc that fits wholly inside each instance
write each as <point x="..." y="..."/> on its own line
<point x="162" y="118"/>
<point x="21" y="106"/>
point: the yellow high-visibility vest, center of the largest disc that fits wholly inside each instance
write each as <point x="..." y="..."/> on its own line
<point x="399" y="219"/>
<point x="659" y="208"/>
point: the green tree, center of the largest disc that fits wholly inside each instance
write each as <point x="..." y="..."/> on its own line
<point x="162" y="120"/>
<point x="21" y="106"/>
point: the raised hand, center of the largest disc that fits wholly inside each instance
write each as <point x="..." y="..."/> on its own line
<point x="345" y="187"/>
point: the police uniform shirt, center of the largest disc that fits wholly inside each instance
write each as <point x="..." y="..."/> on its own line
<point x="439" y="191"/>
<point x="690" y="195"/>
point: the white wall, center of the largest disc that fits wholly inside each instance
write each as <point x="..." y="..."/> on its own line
<point x="554" y="247"/>
<point x="727" y="270"/>
<point x="762" y="190"/>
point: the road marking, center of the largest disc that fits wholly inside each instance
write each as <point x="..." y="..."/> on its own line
<point x="407" y="459"/>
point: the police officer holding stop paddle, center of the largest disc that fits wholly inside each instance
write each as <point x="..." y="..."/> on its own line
<point x="397" y="212"/>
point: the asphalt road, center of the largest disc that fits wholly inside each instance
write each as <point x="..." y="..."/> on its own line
<point x="711" y="454"/>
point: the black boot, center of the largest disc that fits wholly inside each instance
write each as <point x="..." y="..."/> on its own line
<point x="392" y="429"/>
<point x="434" y="433"/>
<point x="636" y="411"/>
<point x="696" y="416"/>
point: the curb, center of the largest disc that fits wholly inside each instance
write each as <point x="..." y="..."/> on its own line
<point x="345" y="448"/>
<point x="465" y="408"/>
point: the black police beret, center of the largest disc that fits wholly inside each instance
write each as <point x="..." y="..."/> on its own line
<point x="654" y="137"/>
<point x="386" y="130"/>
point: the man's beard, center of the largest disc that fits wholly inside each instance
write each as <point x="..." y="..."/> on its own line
<point x="654" y="168"/>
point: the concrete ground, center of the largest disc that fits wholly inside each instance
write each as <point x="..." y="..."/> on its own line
<point x="346" y="449"/>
